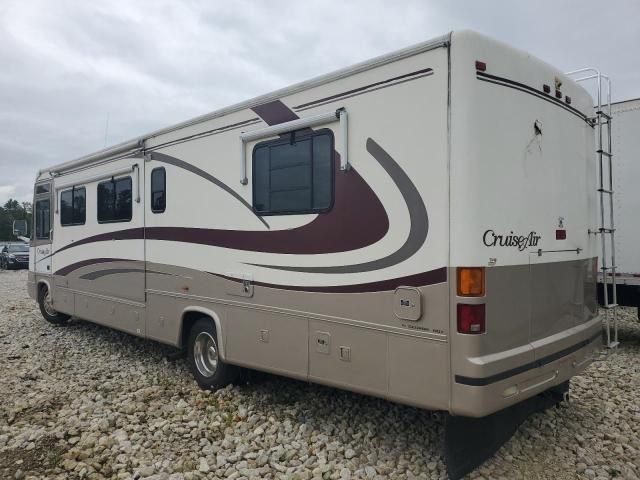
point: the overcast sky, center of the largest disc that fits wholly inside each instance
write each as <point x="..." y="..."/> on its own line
<point x="67" y="66"/>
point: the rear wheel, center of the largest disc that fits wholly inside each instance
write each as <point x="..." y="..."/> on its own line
<point x="46" y="308"/>
<point x="204" y="357"/>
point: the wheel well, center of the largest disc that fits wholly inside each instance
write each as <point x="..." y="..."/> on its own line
<point x="42" y="286"/>
<point x="188" y="319"/>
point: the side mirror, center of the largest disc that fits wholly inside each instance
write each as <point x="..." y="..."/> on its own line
<point x="20" y="228"/>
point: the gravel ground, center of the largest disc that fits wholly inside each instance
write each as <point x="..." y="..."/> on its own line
<point x="83" y="401"/>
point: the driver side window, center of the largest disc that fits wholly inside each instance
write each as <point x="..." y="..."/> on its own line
<point x="42" y="219"/>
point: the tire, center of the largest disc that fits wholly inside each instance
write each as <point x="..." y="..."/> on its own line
<point x="207" y="367"/>
<point x="47" y="310"/>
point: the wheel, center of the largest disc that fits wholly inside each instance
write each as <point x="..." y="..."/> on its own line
<point x="204" y="359"/>
<point x="46" y="308"/>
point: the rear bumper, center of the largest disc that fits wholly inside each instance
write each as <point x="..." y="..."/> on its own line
<point x="558" y="358"/>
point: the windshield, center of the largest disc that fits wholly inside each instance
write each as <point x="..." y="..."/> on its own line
<point x="18" y="248"/>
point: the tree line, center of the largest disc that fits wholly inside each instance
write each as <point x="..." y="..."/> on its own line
<point x="13" y="210"/>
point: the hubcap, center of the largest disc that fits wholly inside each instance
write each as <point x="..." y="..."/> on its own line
<point x="48" y="305"/>
<point x="205" y="354"/>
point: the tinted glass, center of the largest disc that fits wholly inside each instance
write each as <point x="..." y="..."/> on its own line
<point x="158" y="190"/>
<point x="106" y="192"/>
<point x="18" y="248"/>
<point x="261" y="179"/>
<point x="114" y="200"/>
<point x="43" y="188"/>
<point x="123" y="199"/>
<point x="66" y="207"/>
<point x="322" y="171"/>
<point x="42" y="219"/>
<point x="79" y="205"/>
<point x="294" y="175"/>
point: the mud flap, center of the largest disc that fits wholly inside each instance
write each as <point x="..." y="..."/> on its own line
<point x="468" y="442"/>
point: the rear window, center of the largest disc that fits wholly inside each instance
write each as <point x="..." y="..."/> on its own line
<point x="18" y="248"/>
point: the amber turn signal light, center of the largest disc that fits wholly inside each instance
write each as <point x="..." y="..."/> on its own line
<point x="470" y="281"/>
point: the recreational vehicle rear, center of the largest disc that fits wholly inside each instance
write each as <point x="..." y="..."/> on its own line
<point x="414" y="227"/>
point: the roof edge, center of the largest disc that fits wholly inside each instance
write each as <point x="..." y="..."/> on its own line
<point x="138" y="142"/>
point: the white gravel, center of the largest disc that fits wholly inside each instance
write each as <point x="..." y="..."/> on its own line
<point x="83" y="401"/>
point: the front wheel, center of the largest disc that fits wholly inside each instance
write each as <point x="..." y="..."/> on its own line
<point x="49" y="313"/>
<point x="204" y="357"/>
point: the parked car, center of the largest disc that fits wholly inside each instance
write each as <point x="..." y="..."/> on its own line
<point x="15" y="255"/>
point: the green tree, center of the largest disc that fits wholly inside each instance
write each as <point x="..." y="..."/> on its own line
<point x="13" y="210"/>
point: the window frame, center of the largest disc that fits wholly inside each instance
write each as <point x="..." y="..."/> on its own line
<point x="73" y="203"/>
<point x="35" y="215"/>
<point x="164" y="189"/>
<point x="284" y="139"/>
<point x="113" y="180"/>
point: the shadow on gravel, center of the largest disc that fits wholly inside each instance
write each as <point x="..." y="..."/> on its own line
<point x="42" y="455"/>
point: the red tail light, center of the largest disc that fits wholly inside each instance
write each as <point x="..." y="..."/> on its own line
<point x="471" y="318"/>
<point x="561" y="234"/>
<point x="481" y="66"/>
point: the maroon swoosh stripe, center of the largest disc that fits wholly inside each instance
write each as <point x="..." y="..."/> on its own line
<point x="357" y="220"/>
<point x="431" y="277"/>
<point x="91" y="261"/>
<point x="128" y="234"/>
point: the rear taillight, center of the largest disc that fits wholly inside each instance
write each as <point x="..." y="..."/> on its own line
<point x="561" y="234"/>
<point x="481" y="66"/>
<point x="470" y="281"/>
<point x="471" y="319"/>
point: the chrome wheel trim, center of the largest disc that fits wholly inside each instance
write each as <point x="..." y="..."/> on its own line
<point x="205" y="354"/>
<point x="47" y="304"/>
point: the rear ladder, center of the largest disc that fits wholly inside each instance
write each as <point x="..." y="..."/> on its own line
<point x="602" y="123"/>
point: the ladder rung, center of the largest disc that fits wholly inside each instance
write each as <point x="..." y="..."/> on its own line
<point x="610" y="306"/>
<point x="604" y="190"/>
<point x="609" y="268"/>
<point x="607" y="230"/>
<point x="602" y="114"/>
<point x="602" y="152"/>
<point x="613" y="344"/>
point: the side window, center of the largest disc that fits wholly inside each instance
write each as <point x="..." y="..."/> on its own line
<point x="42" y="219"/>
<point x="294" y="174"/>
<point x="158" y="190"/>
<point x="114" y="200"/>
<point x="43" y="188"/>
<point x="73" y="206"/>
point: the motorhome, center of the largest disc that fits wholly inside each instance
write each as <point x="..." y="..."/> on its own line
<point x="414" y="227"/>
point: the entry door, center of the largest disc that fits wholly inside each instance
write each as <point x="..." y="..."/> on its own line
<point x="42" y="221"/>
